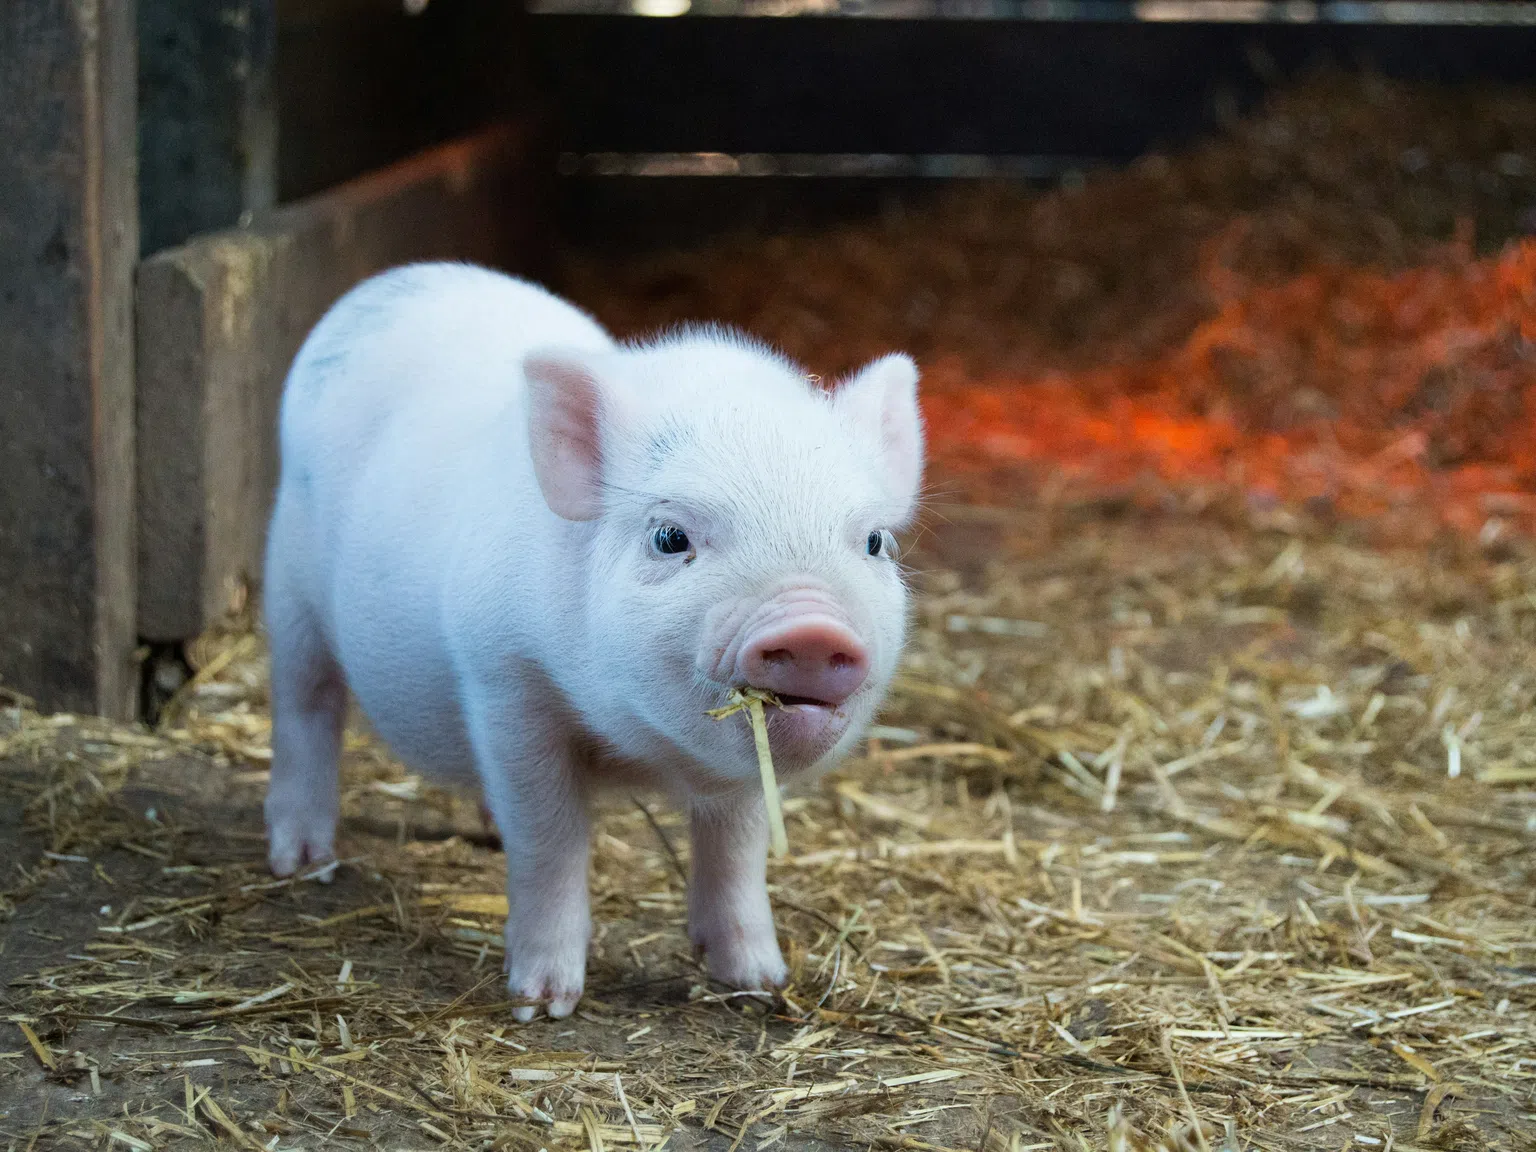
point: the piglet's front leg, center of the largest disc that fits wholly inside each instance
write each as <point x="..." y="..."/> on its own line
<point x="729" y="918"/>
<point x="545" y="836"/>
<point x="533" y="789"/>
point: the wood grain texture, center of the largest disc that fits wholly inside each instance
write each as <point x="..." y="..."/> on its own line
<point x="68" y="240"/>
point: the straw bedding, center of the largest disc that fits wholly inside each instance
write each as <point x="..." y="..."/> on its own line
<point x="1170" y="817"/>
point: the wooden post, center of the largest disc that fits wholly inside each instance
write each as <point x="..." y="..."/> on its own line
<point x="221" y="317"/>
<point x="68" y="241"/>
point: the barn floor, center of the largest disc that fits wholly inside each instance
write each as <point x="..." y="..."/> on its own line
<point x="1175" y="814"/>
<point x="1208" y="790"/>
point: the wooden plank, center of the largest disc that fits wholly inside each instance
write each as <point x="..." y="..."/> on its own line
<point x="222" y="317"/>
<point x="68" y="240"/>
<point x="207" y="116"/>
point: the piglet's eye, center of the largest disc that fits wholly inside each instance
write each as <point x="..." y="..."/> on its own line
<point x="881" y="543"/>
<point x="670" y="540"/>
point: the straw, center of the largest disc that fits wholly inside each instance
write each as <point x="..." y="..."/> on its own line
<point x="751" y="700"/>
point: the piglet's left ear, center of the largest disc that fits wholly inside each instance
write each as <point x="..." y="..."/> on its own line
<point x="883" y="395"/>
<point x="565" y="410"/>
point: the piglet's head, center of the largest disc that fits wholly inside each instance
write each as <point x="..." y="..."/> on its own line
<point x="740" y="533"/>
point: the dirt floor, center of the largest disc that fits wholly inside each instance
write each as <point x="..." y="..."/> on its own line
<point x="1172" y="815"/>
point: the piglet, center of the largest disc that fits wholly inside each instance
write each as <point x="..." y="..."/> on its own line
<point x="537" y="557"/>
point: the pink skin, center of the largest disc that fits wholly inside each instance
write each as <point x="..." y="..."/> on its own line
<point x="799" y="644"/>
<point x="811" y="656"/>
<point x="813" y="664"/>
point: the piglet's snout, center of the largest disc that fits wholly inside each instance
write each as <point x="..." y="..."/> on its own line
<point x="814" y="658"/>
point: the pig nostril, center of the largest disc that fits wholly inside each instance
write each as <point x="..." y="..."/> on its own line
<point x="837" y="660"/>
<point x="810" y="662"/>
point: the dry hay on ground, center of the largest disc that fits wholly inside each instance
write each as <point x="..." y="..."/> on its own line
<point x="1168" y="816"/>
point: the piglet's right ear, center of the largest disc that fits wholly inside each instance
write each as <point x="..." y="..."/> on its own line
<point x="564" y="410"/>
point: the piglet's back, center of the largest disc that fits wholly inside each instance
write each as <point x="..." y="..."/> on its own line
<point x="435" y="348"/>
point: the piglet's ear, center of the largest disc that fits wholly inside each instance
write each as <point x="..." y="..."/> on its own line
<point x="564" y="434"/>
<point x="883" y="395"/>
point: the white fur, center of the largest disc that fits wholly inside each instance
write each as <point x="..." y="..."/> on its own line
<point x="417" y="557"/>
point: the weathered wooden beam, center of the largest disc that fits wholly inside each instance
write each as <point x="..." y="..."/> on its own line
<point x="222" y="317"/>
<point x="207" y="116"/>
<point x="68" y="241"/>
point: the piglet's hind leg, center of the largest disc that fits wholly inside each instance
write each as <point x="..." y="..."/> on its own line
<point x="309" y="701"/>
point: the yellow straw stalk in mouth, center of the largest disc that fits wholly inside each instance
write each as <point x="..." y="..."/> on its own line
<point x="751" y="700"/>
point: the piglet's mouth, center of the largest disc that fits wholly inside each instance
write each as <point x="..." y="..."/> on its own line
<point x="802" y="729"/>
<point x="805" y="702"/>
